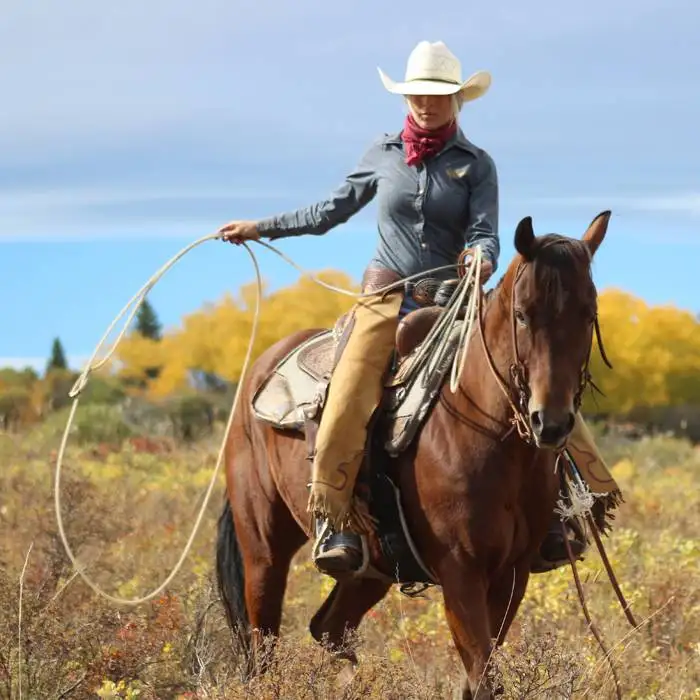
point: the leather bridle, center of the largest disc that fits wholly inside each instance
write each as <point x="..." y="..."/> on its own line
<point x="517" y="390"/>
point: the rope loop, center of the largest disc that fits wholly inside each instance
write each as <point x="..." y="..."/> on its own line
<point x="93" y="364"/>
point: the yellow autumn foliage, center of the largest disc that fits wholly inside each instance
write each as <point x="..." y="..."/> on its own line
<point x="654" y="350"/>
<point x="215" y="338"/>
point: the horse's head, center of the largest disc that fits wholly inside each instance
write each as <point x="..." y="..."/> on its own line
<point x="553" y="308"/>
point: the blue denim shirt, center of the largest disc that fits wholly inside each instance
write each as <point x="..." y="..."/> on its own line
<point x="427" y="214"/>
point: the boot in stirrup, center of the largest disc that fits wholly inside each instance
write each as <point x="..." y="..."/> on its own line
<point x="336" y="552"/>
<point x="553" y="552"/>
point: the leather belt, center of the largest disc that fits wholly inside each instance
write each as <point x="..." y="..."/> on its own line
<point x="376" y="278"/>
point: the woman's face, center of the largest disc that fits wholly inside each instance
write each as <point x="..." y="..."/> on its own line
<point x="431" y="111"/>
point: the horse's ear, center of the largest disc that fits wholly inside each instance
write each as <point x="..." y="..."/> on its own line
<point x="525" y="238"/>
<point x="595" y="233"/>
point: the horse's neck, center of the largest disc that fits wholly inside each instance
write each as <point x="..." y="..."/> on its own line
<point x="480" y="392"/>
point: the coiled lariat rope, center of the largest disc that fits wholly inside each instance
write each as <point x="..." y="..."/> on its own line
<point x="471" y="280"/>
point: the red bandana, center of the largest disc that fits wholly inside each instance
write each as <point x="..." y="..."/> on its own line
<point x="422" y="143"/>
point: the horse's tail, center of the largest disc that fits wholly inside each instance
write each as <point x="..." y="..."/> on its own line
<point x="231" y="581"/>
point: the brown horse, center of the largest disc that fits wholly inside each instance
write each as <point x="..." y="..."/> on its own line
<point x="477" y="493"/>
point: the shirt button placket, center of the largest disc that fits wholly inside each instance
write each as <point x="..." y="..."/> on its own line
<point x="420" y="224"/>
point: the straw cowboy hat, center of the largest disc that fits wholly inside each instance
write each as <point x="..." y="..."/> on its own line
<point x="432" y="69"/>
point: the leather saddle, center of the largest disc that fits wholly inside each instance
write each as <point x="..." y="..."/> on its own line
<point x="293" y="395"/>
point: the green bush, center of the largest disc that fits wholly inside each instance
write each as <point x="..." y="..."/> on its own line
<point x="15" y="404"/>
<point x="146" y="418"/>
<point x="94" y="423"/>
<point x="192" y="416"/>
<point x="103" y="391"/>
<point x="57" y="385"/>
<point x="10" y="377"/>
<point x="654" y="453"/>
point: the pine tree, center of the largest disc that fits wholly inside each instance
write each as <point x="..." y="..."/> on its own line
<point x="147" y="323"/>
<point x="58" y="357"/>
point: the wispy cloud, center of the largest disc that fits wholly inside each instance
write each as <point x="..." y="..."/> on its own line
<point x="681" y="203"/>
<point x="103" y="195"/>
<point x="136" y="70"/>
<point x="103" y="211"/>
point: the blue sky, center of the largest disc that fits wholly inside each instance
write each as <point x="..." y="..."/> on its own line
<point x="129" y="130"/>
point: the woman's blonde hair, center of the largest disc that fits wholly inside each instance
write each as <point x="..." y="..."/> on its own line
<point x="457" y="104"/>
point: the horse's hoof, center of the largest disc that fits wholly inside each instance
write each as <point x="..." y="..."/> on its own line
<point x="345" y="677"/>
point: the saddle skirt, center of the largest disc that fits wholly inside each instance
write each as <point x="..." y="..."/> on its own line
<point x="294" y="393"/>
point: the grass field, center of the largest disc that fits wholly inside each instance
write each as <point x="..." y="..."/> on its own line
<point x="128" y="513"/>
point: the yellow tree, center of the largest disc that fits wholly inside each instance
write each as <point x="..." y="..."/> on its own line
<point x="655" y="353"/>
<point x="619" y="315"/>
<point x="672" y="353"/>
<point x="133" y="359"/>
<point x="214" y="339"/>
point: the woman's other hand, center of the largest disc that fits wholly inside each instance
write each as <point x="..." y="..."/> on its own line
<point x="239" y="231"/>
<point x="467" y="258"/>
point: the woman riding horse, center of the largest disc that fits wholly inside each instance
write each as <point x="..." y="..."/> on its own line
<point x="437" y="195"/>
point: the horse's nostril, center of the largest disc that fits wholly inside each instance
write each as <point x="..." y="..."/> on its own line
<point x="571" y="422"/>
<point x="536" y="420"/>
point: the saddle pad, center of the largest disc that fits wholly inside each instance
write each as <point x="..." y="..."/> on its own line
<point x="294" y="384"/>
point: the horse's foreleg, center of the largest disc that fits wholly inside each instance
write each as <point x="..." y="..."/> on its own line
<point x="467" y="616"/>
<point x="342" y="613"/>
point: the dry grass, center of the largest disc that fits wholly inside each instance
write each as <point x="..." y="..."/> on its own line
<point x="128" y="514"/>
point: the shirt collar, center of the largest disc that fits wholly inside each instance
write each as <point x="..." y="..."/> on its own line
<point x="459" y="140"/>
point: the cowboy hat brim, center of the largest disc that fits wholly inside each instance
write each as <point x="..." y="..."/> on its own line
<point x="472" y="88"/>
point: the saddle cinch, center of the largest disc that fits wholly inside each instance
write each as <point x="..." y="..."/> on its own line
<point x="293" y="395"/>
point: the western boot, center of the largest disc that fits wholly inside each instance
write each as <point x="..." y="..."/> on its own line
<point x="336" y="552"/>
<point x="552" y="553"/>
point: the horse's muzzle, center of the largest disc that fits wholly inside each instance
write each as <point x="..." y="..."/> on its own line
<point x="551" y="428"/>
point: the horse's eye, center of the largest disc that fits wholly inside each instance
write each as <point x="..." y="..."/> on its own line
<point x="520" y="317"/>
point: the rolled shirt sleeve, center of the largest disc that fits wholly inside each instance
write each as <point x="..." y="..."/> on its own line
<point x="356" y="191"/>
